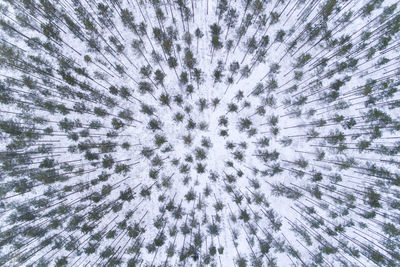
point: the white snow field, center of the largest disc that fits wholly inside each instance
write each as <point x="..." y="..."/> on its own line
<point x="199" y="133"/>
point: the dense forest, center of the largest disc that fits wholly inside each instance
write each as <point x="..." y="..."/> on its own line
<point x="199" y="133"/>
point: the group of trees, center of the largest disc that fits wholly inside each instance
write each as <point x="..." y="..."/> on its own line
<point x="177" y="132"/>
